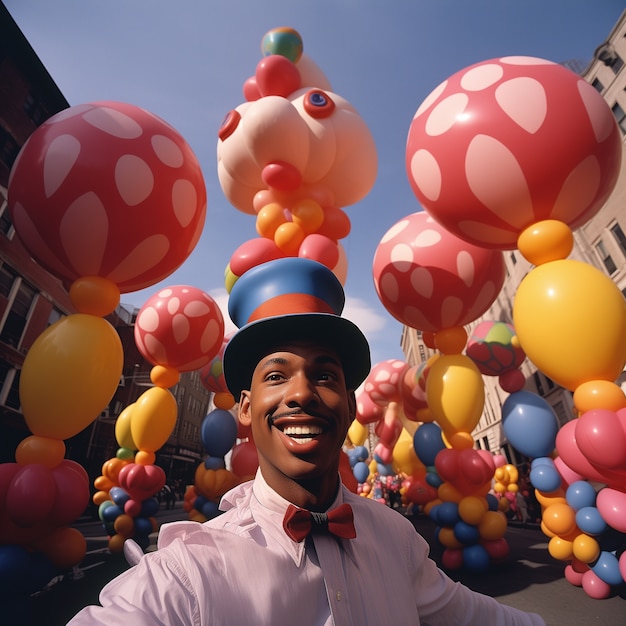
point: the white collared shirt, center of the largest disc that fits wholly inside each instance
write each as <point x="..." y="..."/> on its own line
<point x="241" y="568"/>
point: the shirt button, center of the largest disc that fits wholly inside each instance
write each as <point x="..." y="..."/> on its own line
<point x="338" y="596"/>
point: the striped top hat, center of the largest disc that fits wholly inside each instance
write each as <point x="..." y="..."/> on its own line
<point x="290" y="299"/>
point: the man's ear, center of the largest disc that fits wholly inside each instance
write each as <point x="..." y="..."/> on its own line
<point x="244" y="409"/>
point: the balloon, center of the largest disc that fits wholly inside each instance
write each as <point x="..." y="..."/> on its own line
<point x="491" y="348"/>
<point x="276" y="75"/>
<point x="429" y="279"/>
<point x="31" y="494"/>
<point x="555" y="303"/>
<point x="357" y="433"/>
<point x="71" y="483"/>
<point x="573" y="577"/>
<point x="599" y="393"/>
<point x="428" y="442"/>
<point x="455" y="393"/>
<point x="321" y="249"/>
<point x="452" y="558"/>
<point x="589" y="520"/>
<point x="361" y="471"/>
<point x="65" y="547"/>
<point x="218" y="432"/>
<point x="254" y="252"/>
<point x="559" y="519"/>
<point x="69" y="375"/>
<point x="602" y="438"/>
<point x="179" y="327"/>
<point x="284" y="41"/>
<point x="585" y="548"/>
<point x="123" y="434"/>
<point x="473" y="146"/>
<point x="545" y="477"/>
<point x="560" y="548"/>
<point x="493" y="526"/>
<point x="367" y="411"/>
<point x="108" y="189"/>
<point x="466" y="533"/>
<point x="476" y="558"/>
<point x="529" y="424"/>
<point x="595" y="587"/>
<point x="153" y="418"/>
<point x="244" y="459"/>
<point x="580" y="494"/>
<point x="141" y="481"/>
<point x="472" y="509"/>
<point x="611" y="504"/>
<point x="384" y="381"/>
<point x="42" y="450"/>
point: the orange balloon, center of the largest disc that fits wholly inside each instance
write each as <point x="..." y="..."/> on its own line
<point x="309" y="215"/>
<point x="44" y="450"/>
<point x="124" y="525"/>
<point x="116" y="544"/>
<point x="451" y="340"/>
<point x="224" y="400"/>
<point x="269" y="218"/>
<point x="493" y="525"/>
<point x="545" y="241"/>
<point x="288" y="237"/>
<point x="559" y="519"/>
<point x="95" y="295"/>
<point x="599" y="394"/>
<point x="163" y="376"/>
<point x="65" y="547"/>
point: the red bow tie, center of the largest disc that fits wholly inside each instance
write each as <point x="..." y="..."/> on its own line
<point x="299" y="522"/>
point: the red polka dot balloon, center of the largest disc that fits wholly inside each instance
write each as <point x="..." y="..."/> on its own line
<point x="430" y="280"/>
<point x="108" y="189"/>
<point x="509" y="142"/>
<point x="179" y="327"/>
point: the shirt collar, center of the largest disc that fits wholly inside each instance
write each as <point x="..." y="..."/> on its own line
<point x="268" y="509"/>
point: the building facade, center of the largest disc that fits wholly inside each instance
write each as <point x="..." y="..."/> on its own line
<point x="600" y="242"/>
<point x="31" y="299"/>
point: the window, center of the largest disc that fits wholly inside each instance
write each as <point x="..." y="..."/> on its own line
<point x="616" y="63"/>
<point x="18" y="315"/>
<point x="513" y="258"/>
<point x="9" y="148"/>
<point x="35" y="109"/>
<point x="6" y="225"/>
<point x="597" y="85"/>
<point x="605" y="257"/>
<point x="9" y="386"/>
<point x="620" y="116"/>
<point x="618" y="233"/>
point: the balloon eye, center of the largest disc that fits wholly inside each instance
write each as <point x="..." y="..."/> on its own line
<point x="318" y="104"/>
<point x="230" y="123"/>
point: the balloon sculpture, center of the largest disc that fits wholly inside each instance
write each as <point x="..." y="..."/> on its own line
<point x="294" y="154"/>
<point x="110" y="199"/>
<point x="179" y="329"/>
<point x="492" y="157"/>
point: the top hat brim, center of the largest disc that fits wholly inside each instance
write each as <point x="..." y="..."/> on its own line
<point x="259" y="338"/>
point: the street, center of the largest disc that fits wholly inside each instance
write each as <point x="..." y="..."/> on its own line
<point x="530" y="579"/>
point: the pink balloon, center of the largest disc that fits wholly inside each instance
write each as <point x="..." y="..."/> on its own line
<point x="276" y="75"/>
<point x="452" y="558"/>
<point x="622" y="565"/>
<point x="31" y="495"/>
<point x="367" y="411"/>
<point x="72" y="493"/>
<point x="141" y="481"/>
<point x="320" y="248"/>
<point x="384" y="382"/>
<point x="478" y="149"/>
<point x="244" y="459"/>
<point x="429" y="279"/>
<point x="567" y="474"/>
<point x="595" y="587"/>
<point x="180" y="327"/>
<point x="601" y="438"/>
<point x="611" y="504"/>
<point x="497" y="549"/>
<point x="573" y="577"/>
<point x="252" y="253"/>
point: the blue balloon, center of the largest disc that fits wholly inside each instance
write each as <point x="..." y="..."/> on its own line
<point x="467" y="534"/>
<point x="14" y="565"/>
<point x="119" y="496"/>
<point x="432" y="478"/>
<point x="476" y="558"/>
<point x="433" y="513"/>
<point x="385" y="469"/>
<point x="110" y="513"/>
<point x="143" y="526"/>
<point x="580" y="494"/>
<point x="589" y="520"/>
<point x="361" y="471"/>
<point x="361" y="453"/>
<point x="492" y="502"/>
<point x="149" y="507"/>
<point x="214" y="463"/>
<point x="210" y="509"/>
<point x="428" y="442"/>
<point x="218" y="432"/>
<point x="448" y="514"/>
<point x="606" y="568"/>
<point x="545" y="477"/>
<point x="530" y="424"/>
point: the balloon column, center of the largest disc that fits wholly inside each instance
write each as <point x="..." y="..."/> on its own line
<point x="432" y="280"/>
<point x="294" y="154"/>
<point x="179" y="329"/>
<point x="491" y="156"/>
<point x="110" y="199"/>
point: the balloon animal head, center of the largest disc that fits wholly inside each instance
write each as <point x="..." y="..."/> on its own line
<point x="293" y="139"/>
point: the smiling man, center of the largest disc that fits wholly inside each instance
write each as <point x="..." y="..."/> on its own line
<point x="294" y="546"/>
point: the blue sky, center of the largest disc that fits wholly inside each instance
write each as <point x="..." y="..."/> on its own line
<point x="186" y="61"/>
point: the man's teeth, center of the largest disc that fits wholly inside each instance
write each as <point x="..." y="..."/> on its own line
<point x="303" y="434"/>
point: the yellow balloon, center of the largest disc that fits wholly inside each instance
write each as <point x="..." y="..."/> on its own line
<point x="69" y="375"/>
<point x="404" y="459"/>
<point x="455" y="393"/>
<point x="585" y="548"/>
<point x="153" y="418"/>
<point x="570" y="319"/>
<point x="472" y="509"/>
<point x="560" y="548"/>
<point x="357" y="433"/>
<point x="123" y="436"/>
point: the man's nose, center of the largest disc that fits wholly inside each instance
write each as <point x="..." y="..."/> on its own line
<point x="300" y="390"/>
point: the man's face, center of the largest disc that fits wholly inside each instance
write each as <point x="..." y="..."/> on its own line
<point x="300" y="411"/>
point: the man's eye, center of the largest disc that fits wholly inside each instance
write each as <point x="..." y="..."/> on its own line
<point x="274" y="376"/>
